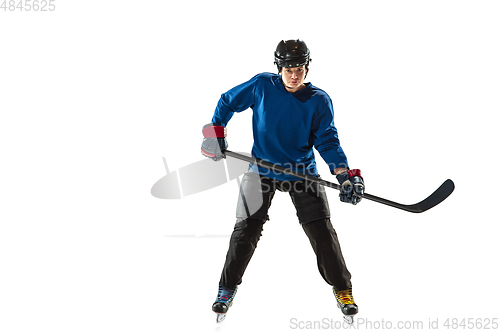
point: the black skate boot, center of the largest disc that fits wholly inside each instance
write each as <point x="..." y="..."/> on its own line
<point x="223" y="301"/>
<point x="345" y="302"/>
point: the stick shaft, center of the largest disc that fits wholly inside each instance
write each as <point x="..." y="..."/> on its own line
<point x="416" y="208"/>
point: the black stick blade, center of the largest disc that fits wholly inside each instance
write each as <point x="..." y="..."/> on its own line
<point x="434" y="199"/>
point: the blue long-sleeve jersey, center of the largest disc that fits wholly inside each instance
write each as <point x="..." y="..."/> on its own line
<point x="286" y="126"/>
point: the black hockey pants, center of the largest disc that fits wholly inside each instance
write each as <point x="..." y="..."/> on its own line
<point x="256" y="193"/>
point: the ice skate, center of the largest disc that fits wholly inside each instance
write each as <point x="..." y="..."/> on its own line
<point x="223" y="301"/>
<point x="345" y="302"/>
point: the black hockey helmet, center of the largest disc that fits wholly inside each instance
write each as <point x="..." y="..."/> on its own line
<point x="291" y="53"/>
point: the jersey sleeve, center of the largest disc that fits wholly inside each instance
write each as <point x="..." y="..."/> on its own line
<point x="237" y="99"/>
<point x="326" y="140"/>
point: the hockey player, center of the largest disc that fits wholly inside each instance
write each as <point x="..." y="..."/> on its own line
<point x="290" y="117"/>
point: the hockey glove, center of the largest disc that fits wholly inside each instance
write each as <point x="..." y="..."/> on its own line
<point x="214" y="142"/>
<point x="353" y="187"/>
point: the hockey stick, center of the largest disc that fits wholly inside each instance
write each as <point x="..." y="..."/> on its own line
<point x="432" y="200"/>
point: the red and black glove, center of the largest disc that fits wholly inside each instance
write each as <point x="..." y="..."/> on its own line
<point x="353" y="186"/>
<point x="214" y="142"/>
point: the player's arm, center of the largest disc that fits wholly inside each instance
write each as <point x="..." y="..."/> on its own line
<point x="237" y="99"/>
<point x="328" y="145"/>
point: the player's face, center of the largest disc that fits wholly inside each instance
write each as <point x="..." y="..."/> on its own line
<point x="293" y="78"/>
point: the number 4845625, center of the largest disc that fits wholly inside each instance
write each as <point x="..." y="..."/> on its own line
<point x="28" y="5"/>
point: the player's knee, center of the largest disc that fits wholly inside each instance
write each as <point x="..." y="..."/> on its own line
<point x="249" y="229"/>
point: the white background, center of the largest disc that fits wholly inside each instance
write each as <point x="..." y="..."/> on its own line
<point x="94" y="94"/>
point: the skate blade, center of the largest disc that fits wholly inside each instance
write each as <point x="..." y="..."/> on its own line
<point x="220" y="317"/>
<point x="349" y="319"/>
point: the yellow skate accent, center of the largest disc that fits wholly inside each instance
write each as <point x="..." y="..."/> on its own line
<point x="344" y="297"/>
